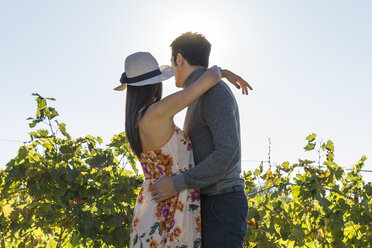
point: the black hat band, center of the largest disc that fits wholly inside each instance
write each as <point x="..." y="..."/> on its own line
<point x="125" y="80"/>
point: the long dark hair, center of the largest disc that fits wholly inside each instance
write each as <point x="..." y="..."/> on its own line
<point x="139" y="98"/>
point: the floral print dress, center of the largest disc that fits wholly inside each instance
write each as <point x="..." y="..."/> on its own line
<point x="175" y="222"/>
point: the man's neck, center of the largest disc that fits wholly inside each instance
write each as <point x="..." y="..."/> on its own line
<point x="194" y="74"/>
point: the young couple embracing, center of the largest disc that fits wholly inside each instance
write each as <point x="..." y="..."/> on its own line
<point x="193" y="195"/>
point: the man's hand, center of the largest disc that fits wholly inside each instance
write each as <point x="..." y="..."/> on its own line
<point x="163" y="189"/>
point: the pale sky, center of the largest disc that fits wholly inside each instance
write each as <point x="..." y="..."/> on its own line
<point x="309" y="62"/>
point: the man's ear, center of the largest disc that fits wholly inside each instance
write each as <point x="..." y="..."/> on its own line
<point x="180" y="59"/>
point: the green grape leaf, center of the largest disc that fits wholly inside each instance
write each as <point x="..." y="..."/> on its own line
<point x="311" y="137"/>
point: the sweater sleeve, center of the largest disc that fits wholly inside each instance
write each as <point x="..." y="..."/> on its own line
<point x="218" y="109"/>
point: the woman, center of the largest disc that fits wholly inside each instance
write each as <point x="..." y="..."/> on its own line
<point x="174" y="222"/>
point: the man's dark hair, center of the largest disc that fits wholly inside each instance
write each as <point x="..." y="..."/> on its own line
<point x="194" y="47"/>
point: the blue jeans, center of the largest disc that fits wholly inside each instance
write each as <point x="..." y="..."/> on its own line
<point x="223" y="220"/>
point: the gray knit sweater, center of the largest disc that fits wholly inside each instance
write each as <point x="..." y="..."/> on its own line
<point x="213" y="125"/>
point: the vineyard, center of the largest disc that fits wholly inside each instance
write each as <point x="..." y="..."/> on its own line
<point x="61" y="191"/>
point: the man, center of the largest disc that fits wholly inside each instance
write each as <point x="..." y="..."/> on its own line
<point x="213" y="125"/>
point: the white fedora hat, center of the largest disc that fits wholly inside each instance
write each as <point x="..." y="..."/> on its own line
<point x="141" y="68"/>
